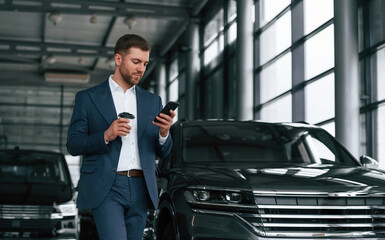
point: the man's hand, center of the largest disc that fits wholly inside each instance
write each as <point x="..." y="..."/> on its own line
<point x="119" y="127"/>
<point x="165" y="123"/>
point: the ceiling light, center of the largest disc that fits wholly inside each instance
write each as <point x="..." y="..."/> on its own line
<point x="93" y="19"/>
<point x="50" y="59"/>
<point x="55" y="17"/>
<point x="57" y="77"/>
<point x="129" y="21"/>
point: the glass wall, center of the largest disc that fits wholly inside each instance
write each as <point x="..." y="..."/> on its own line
<point x="173" y="84"/>
<point x="293" y="65"/>
<point x="274" y="68"/>
<point x="372" y="57"/>
<point x="284" y="27"/>
<point x="218" y="82"/>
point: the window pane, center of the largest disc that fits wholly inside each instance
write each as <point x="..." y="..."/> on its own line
<point x="363" y="134"/>
<point x="319" y="53"/>
<point x="213" y="27"/>
<point x="381" y="136"/>
<point x="276" y="78"/>
<point x="173" y="70"/>
<point x="213" y="50"/>
<point x="276" y="38"/>
<point x="173" y="88"/>
<point x="270" y="9"/>
<point x="233" y="32"/>
<point x="232" y="10"/>
<point x="380" y="74"/>
<point x="173" y="95"/>
<point x="173" y="91"/>
<point x="214" y="95"/>
<point x="376" y="21"/>
<point x="319" y="100"/>
<point x="278" y="110"/>
<point x="317" y="13"/>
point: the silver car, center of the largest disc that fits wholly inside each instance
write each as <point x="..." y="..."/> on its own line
<point x="36" y="195"/>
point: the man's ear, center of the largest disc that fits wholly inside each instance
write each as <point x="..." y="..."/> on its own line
<point x="118" y="59"/>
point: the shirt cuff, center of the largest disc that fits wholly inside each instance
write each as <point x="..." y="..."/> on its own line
<point x="162" y="140"/>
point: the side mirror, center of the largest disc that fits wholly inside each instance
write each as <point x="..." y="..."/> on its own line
<point x="368" y="162"/>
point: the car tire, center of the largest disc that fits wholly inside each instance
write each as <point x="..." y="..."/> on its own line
<point x="169" y="233"/>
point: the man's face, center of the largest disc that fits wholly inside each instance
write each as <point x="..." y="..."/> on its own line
<point x="132" y="65"/>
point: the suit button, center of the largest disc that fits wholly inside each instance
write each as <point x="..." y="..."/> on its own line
<point x="114" y="169"/>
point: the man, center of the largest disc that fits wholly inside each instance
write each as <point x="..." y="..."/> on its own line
<point x="117" y="178"/>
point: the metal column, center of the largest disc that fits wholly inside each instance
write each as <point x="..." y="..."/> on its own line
<point x="298" y="63"/>
<point x="347" y="115"/>
<point x="192" y="68"/>
<point x="245" y="59"/>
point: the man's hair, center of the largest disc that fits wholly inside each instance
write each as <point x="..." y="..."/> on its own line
<point x="128" y="41"/>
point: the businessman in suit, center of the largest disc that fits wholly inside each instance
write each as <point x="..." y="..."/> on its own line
<point x="117" y="178"/>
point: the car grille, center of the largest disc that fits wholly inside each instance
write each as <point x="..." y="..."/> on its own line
<point x="297" y="216"/>
<point x="25" y="212"/>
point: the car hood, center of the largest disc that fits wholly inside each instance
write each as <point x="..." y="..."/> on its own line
<point x="338" y="181"/>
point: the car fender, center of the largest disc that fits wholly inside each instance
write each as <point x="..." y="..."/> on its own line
<point x="166" y="213"/>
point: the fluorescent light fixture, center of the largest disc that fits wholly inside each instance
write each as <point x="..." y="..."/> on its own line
<point x="66" y="77"/>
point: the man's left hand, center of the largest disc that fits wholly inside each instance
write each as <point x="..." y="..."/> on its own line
<point x="165" y="122"/>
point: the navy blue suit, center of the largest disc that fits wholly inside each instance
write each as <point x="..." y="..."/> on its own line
<point x="93" y="113"/>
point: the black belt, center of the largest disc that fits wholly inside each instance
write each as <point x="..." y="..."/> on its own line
<point x="131" y="173"/>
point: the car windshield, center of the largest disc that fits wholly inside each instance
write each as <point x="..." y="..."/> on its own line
<point x="31" y="167"/>
<point x="261" y="143"/>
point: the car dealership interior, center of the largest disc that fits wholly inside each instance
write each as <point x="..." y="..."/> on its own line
<point x="320" y="63"/>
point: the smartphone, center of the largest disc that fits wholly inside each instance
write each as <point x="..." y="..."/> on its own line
<point x="166" y="109"/>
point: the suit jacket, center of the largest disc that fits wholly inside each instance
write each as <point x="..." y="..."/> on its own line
<point x="93" y="113"/>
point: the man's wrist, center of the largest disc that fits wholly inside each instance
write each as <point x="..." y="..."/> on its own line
<point x="162" y="140"/>
<point x="105" y="138"/>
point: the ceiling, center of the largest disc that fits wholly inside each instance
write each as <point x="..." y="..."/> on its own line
<point x="40" y="36"/>
<point x="34" y="113"/>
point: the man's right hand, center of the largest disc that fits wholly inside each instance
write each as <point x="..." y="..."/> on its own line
<point x="119" y="127"/>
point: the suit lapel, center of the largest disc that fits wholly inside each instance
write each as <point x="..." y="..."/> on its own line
<point x="102" y="98"/>
<point x="141" y="108"/>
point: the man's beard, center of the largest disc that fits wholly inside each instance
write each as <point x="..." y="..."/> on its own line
<point x="128" y="78"/>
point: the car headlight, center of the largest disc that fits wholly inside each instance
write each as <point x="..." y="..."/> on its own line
<point x="201" y="195"/>
<point x="65" y="209"/>
<point x="68" y="209"/>
<point x="216" y="196"/>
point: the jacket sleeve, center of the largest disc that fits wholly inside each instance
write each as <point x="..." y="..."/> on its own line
<point x="79" y="139"/>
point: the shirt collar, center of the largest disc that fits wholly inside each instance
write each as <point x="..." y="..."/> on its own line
<point x="115" y="87"/>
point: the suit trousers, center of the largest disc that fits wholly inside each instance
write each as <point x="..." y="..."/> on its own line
<point x="122" y="215"/>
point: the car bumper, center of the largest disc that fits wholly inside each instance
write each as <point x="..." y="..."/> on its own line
<point x="218" y="225"/>
<point x="66" y="226"/>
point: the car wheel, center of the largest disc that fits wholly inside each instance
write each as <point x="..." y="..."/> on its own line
<point x="168" y="233"/>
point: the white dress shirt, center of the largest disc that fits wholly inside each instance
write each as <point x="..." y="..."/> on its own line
<point x="126" y="102"/>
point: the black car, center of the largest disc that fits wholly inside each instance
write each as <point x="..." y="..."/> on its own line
<point x="257" y="180"/>
<point x="36" y="195"/>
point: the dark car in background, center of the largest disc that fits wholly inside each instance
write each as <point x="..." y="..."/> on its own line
<point x="36" y="195"/>
<point x="256" y="180"/>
